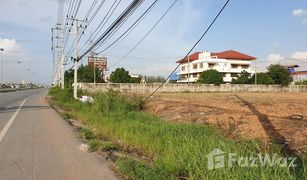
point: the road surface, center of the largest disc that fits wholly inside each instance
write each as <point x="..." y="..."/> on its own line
<point x="35" y="143"/>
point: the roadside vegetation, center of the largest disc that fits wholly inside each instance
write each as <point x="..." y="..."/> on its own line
<point x="166" y="150"/>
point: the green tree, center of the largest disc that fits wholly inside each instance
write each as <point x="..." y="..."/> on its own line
<point x="279" y="74"/>
<point x="85" y="74"/>
<point x="263" y="78"/>
<point x="244" y="78"/>
<point x="211" y="77"/>
<point x="120" y="75"/>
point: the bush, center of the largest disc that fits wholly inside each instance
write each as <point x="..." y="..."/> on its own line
<point x="211" y="77"/>
<point x="279" y="74"/>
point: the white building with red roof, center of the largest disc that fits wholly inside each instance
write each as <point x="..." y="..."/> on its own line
<point x="230" y="63"/>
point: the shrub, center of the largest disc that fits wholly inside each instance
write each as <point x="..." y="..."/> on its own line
<point x="211" y="77"/>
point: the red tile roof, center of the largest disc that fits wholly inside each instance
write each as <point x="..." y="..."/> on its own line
<point x="230" y="55"/>
<point x="191" y="57"/>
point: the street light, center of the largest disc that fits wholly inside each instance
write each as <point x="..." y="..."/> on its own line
<point x="1" y="50"/>
<point x="19" y="71"/>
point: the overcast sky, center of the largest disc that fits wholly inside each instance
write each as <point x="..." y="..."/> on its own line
<point x="267" y="29"/>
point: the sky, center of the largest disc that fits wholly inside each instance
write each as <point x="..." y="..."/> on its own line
<point x="270" y="30"/>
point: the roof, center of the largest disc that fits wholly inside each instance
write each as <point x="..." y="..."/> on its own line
<point x="191" y="57"/>
<point x="230" y="55"/>
<point x="292" y="66"/>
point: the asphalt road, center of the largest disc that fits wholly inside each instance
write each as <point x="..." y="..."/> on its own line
<point x="35" y="143"/>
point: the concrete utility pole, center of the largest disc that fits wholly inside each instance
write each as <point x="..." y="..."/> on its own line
<point x="75" y="57"/>
<point x="76" y="32"/>
<point x="1" y="51"/>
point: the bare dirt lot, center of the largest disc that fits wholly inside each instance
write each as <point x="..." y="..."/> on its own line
<point x="250" y="115"/>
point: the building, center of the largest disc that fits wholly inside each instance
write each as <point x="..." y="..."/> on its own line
<point x="297" y="74"/>
<point x="230" y="63"/>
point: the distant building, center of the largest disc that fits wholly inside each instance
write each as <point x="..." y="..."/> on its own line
<point x="230" y="63"/>
<point x="297" y="75"/>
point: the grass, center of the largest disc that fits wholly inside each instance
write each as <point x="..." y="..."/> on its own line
<point x="98" y="145"/>
<point x="177" y="150"/>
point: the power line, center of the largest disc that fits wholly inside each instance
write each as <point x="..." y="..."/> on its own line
<point x="202" y="36"/>
<point x="114" y="26"/>
<point x="151" y="29"/>
<point x="133" y="25"/>
<point x="102" y="23"/>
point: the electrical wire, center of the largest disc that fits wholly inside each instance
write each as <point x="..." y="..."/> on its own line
<point x="133" y="25"/>
<point x="143" y="38"/>
<point x="102" y="23"/>
<point x="197" y="42"/>
<point x="114" y="26"/>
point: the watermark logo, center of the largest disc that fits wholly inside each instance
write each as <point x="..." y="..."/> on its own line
<point x="219" y="159"/>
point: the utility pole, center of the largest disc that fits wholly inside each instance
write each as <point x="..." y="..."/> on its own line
<point x="1" y="51"/>
<point x="76" y="32"/>
<point x="75" y="23"/>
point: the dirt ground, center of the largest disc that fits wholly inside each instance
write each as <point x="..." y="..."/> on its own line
<point x="250" y="115"/>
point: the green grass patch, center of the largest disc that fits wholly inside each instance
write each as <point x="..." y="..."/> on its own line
<point x="98" y="145"/>
<point x="86" y="134"/>
<point x="178" y="150"/>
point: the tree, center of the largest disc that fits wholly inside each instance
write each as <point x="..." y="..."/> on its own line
<point x="211" y="77"/>
<point x="244" y="78"/>
<point x="120" y="75"/>
<point x="85" y="74"/>
<point x="263" y="78"/>
<point x="279" y="74"/>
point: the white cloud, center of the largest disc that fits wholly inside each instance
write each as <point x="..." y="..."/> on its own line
<point x="299" y="55"/>
<point x="274" y="57"/>
<point x="11" y="47"/>
<point x="299" y="12"/>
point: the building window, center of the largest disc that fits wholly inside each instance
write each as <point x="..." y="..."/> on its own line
<point x="234" y="66"/>
<point x="183" y="68"/>
<point x="245" y="66"/>
<point x="194" y="75"/>
<point x="194" y="66"/>
<point x="201" y="65"/>
<point x="211" y="65"/>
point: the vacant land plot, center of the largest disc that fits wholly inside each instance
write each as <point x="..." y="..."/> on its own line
<point x="271" y="116"/>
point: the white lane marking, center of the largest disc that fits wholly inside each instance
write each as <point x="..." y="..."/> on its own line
<point x="10" y="122"/>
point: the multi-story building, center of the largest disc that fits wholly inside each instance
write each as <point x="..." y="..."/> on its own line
<point x="230" y="63"/>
